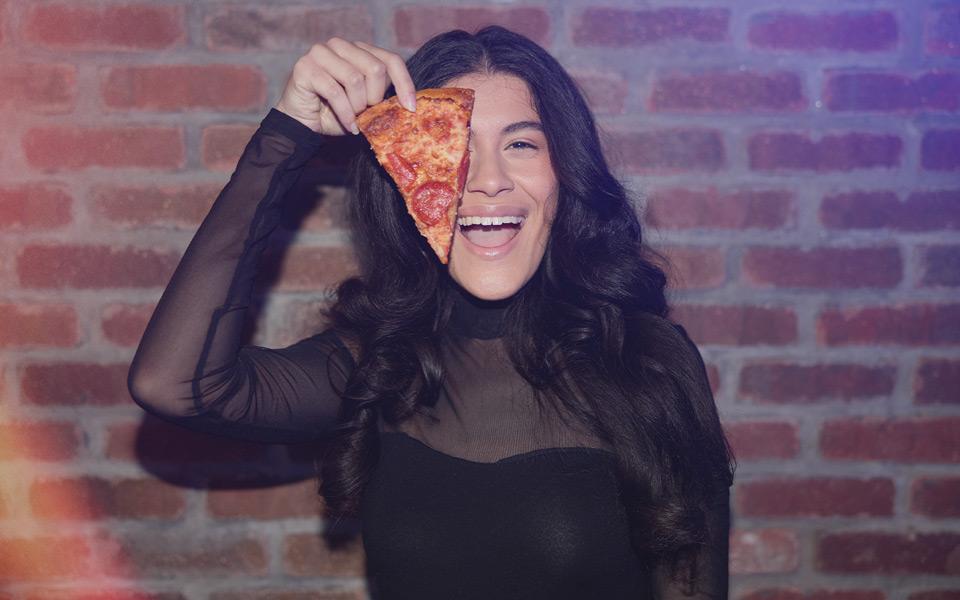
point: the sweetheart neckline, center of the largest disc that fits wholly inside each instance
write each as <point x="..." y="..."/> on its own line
<point x="506" y="459"/>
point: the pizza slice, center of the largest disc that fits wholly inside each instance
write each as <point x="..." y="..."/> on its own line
<point x="425" y="153"/>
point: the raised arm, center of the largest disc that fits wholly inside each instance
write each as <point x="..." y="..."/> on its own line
<point x="190" y="367"/>
<point x="711" y="581"/>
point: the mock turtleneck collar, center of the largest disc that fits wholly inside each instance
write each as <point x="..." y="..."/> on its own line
<point x="475" y="318"/>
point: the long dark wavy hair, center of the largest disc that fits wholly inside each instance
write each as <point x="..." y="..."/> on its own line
<point x="590" y="330"/>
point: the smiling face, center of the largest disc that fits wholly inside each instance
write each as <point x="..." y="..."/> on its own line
<point x="510" y="179"/>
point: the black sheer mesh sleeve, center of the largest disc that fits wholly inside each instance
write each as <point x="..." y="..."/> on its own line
<point x="190" y="367"/>
<point x="711" y="579"/>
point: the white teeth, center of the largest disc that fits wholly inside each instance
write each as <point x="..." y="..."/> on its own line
<point x="489" y="220"/>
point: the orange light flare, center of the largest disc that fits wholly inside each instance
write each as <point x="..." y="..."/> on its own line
<point x="52" y="541"/>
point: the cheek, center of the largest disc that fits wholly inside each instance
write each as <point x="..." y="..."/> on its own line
<point x="540" y="184"/>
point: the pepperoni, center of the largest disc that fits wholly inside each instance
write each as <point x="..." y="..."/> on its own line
<point x="431" y="201"/>
<point x="404" y="170"/>
<point x="462" y="171"/>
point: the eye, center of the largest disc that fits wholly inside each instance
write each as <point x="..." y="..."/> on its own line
<point x="521" y="145"/>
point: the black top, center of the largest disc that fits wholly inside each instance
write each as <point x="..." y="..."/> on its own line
<point x="483" y="496"/>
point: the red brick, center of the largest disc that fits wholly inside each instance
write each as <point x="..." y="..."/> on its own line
<point x="940" y="266"/>
<point x="38" y="87"/>
<point x="934" y="440"/>
<point x="935" y="595"/>
<point x="329" y="211"/>
<point x="38" y="325"/>
<point x="937" y="381"/>
<point x="283" y="28"/>
<point x="174" y="206"/>
<point x="75" y="384"/>
<point x="124" y="324"/>
<point x="720" y="91"/>
<point x="771" y="383"/>
<point x="276" y="502"/>
<point x="44" y="558"/>
<point x="764" y="551"/>
<point x="772" y="594"/>
<point x="307" y="268"/>
<point x="95" y="498"/>
<point x="115" y="592"/>
<point x="178" y="87"/>
<point x="712" y="208"/>
<point x="112" y="27"/>
<point x="297" y="321"/>
<point x="940" y="150"/>
<point x="413" y="25"/>
<point x="816" y="497"/>
<point x="38" y="441"/>
<point x="616" y="27"/>
<point x="942" y="203"/>
<point x="695" y="267"/>
<point x="937" y="497"/>
<point x="222" y="145"/>
<point x="754" y="440"/>
<point x="157" y="442"/>
<point x="307" y="554"/>
<point x="857" y="31"/>
<point x="667" y="151"/>
<point x="738" y="325"/>
<point x="941" y="32"/>
<point x="888" y="554"/>
<point x="93" y="267"/>
<point x="916" y="324"/>
<point x="4" y="19"/>
<point x="846" y="594"/>
<point x="889" y="92"/>
<point x="816" y="594"/>
<point x="164" y="554"/>
<point x="34" y="207"/>
<point x="833" y="152"/>
<point x="823" y="268"/>
<point x="72" y="148"/>
<point x="283" y="594"/>
<point x="605" y="92"/>
<point x="921" y="211"/>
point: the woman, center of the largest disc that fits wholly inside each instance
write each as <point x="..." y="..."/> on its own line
<point x="526" y="423"/>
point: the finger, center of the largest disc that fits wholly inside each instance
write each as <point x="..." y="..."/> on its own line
<point x="374" y="70"/>
<point x="397" y="70"/>
<point x="350" y="78"/>
<point x="329" y="89"/>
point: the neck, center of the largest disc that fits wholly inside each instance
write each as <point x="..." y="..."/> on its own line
<point x="476" y="318"/>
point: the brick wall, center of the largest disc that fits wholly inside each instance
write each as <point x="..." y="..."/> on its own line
<point x="801" y="167"/>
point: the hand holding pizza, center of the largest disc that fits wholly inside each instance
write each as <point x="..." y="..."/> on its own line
<point x="335" y="81"/>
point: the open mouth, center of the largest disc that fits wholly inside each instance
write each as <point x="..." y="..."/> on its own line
<point x="490" y="232"/>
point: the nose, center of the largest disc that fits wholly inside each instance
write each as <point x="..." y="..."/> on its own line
<point x="486" y="174"/>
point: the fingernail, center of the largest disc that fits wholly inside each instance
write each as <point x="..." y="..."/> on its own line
<point x="354" y="129"/>
<point x="412" y="102"/>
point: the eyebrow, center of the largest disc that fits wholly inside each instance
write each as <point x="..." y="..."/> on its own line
<point x="514" y="127"/>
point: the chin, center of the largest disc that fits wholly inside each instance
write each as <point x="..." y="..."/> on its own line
<point x="499" y="272"/>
